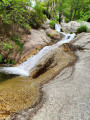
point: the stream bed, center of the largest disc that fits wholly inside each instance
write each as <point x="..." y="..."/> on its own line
<point x="19" y="89"/>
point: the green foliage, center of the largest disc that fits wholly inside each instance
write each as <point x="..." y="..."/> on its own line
<point x="17" y="39"/>
<point x="71" y="32"/>
<point x="8" y="61"/>
<point x="86" y="16"/>
<point x="47" y="13"/>
<point x="48" y="35"/>
<point x="82" y="28"/>
<point x="52" y="40"/>
<point x="5" y="60"/>
<point x="13" y="11"/>
<point x="88" y="31"/>
<point x="66" y="20"/>
<point x="6" y="46"/>
<point x="13" y="61"/>
<point x="1" y="58"/>
<point x="52" y="24"/>
<point x="71" y="9"/>
<point x="55" y="19"/>
<point x="36" y="17"/>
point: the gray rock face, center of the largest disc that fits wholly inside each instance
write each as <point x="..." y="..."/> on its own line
<point x="53" y="34"/>
<point x="68" y="95"/>
<point x="73" y="25"/>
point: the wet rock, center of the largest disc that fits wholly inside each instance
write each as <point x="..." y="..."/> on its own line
<point x="68" y="47"/>
<point x="42" y="68"/>
<point x="53" y="34"/>
<point x="63" y="29"/>
<point x="52" y="60"/>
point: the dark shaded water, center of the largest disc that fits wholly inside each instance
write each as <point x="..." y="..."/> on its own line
<point x="4" y="77"/>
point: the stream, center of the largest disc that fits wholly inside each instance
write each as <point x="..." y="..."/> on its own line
<point x="25" y="68"/>
<point x="17" y="90"/>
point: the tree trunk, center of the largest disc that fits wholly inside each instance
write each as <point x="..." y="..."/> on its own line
<point x="74" y="17"/>
<point x="48" y="9"/>
<point x="53" y="9"/>
<point x="76" y="9"/>
<point x="71" y="12"/>
<point x="48" y="6"/>
<point x="60" y="17"/>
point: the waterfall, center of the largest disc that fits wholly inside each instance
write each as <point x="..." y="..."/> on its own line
<point x="26" y="67"/>
<point x="67" y="36"/>
<point x="58" y="27"/>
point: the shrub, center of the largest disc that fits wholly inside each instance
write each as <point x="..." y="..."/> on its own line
<point x="6" y="46"/>
<point x="13" y="61"/>
<point x="1" y="58"/>
<point x="17" y="39"/>
<point x="66" y="20"/>
<point x="88" y="31"/>
<point x="86" y="16"/>
<point x="48" y="35"/>
<point x="47" y="13"/>
<point x="71" y="32"/>
<point x="52" y="24"/>
<point x="12" y="11"/>
<point x="82" y="28"/>
<point x="36" y="17"/>
<point x="56" y="19"/>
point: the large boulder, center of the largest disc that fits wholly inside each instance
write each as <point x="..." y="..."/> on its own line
<point x="74" y="25"/>
<point x="57" y="57"/>
<point x="53" y="34"/>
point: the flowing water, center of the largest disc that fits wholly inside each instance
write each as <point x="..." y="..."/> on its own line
<point x="25" y="68"/>
<point x="20" y="92"/>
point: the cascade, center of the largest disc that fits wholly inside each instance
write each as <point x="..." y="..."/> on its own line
<point x="26" y="67"/>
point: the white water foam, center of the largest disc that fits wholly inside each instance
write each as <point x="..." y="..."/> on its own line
<point x="67" y="36"/>
<point x="14" y="70"/>
<point x="26" y="67"/>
